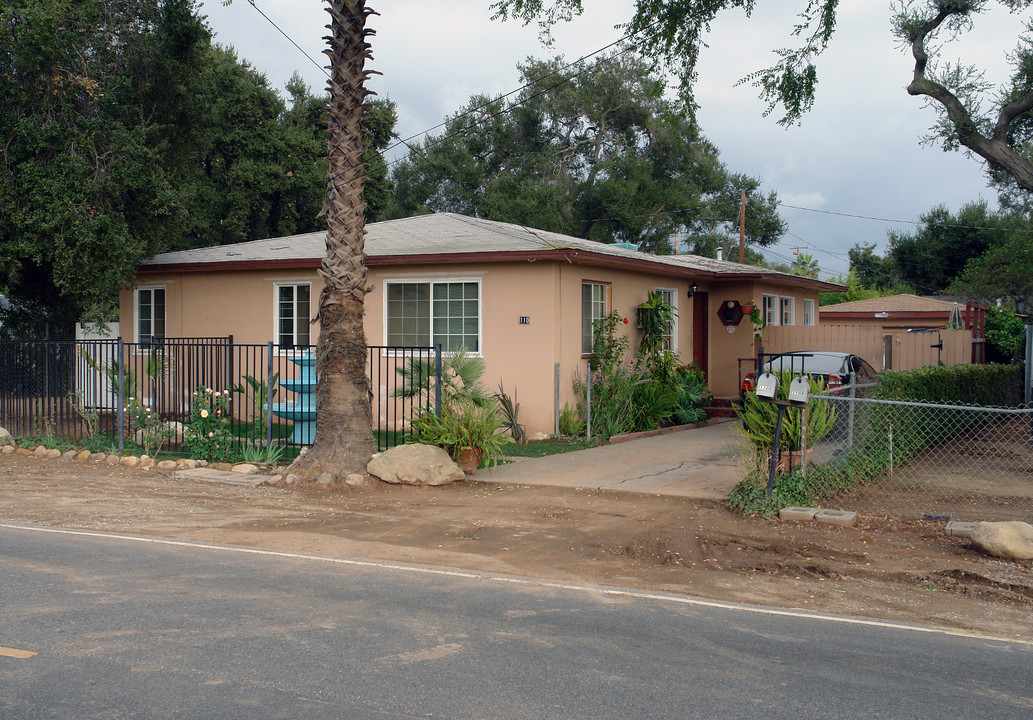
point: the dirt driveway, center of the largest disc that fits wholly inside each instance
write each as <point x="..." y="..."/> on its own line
<point x="883" y="567"/>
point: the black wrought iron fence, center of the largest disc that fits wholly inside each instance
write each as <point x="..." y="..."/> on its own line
<point x="109" y="394"/>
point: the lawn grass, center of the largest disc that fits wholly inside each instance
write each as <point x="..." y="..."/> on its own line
<point x="552" y="446"/>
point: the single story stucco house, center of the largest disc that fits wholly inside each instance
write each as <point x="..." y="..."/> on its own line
<point x="523" y="299"/>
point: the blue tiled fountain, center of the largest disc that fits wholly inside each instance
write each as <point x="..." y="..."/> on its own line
<point x="301" y="412"/>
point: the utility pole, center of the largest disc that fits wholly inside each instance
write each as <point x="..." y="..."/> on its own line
<point x="742" y="228"/>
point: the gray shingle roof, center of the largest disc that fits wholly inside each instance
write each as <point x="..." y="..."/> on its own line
<point x="443" y="234"/>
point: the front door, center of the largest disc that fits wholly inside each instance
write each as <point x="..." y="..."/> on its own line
<point x="700" y="331"/>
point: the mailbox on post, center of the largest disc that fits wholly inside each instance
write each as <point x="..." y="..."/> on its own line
<point x="799" y="391"/>
<point x="767" y="387"/>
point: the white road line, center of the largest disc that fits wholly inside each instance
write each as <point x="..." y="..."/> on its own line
<point x="615" y="592"/>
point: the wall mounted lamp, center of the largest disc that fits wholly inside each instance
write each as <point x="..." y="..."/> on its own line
<point x="693" y="288"/>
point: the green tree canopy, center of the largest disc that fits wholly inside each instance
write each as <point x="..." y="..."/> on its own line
<point x="596" y="152"/>
<point x="971" y="113"/>
<point x="126" y="133"/>
<point x="930" y="257"/>
<point x="94" y="98"/>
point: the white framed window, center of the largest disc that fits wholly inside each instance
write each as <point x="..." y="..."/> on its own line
<point x="594" y="306"/>
<point x="670" y="297"/>
<point x="150" y="314"/>
<point x="788" y="308"/>
<point x="808" y="311"/>
<point x="769" y="305"/>
<point x="424" y="313"/>
<point x="293" y="315"/>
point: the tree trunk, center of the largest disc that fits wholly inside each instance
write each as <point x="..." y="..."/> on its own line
<point x="344" y="435"/>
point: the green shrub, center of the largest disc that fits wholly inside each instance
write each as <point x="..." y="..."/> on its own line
<point x="990" y="385"/>
<point x="464" y="425"/>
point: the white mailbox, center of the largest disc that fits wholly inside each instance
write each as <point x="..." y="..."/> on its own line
<point x="799" y="390"/>
<point x="767" y="386"/>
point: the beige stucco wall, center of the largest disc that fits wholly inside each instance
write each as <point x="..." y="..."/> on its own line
<point x="242" y="303"/>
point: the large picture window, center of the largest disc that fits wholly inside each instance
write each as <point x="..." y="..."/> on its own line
<point x="293" y="315"/>
<point x="427" y="313"/>
<point x="150" y="314"/>
<point x="594" y="306"/>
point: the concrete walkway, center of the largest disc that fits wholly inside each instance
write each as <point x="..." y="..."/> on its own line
<point x="696" y="463"/>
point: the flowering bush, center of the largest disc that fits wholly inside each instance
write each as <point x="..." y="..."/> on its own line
<point x="208" y="435"/>
<point x="150" y="431"/>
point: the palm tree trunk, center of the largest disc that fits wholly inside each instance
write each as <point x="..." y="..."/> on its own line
<point x="344" y="435"/>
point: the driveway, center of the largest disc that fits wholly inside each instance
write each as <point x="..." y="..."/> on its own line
<point x="694" y="463"/>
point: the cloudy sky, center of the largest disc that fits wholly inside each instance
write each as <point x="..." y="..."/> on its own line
<point x="856" y="154"/>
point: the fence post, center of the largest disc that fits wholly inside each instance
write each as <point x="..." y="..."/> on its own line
<point x="269" y="392"/>
<point x="588" y="403"/>
<point x="556" y="424"/>
<point x="120" y="412"/>
<point x="851" y="406"/>
<point x="437" y="379"/>
<point x="1028" y="384"/>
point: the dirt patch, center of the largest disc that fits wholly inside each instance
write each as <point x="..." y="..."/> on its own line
<point x="885" y="567"/>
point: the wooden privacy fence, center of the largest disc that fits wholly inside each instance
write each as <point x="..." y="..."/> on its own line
<point x="885" y="350"/>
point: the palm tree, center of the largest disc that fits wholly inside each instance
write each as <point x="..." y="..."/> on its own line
<point x="344" y="435"/>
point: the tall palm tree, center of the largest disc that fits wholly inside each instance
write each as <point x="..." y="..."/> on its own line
<point x="344" y="435"/>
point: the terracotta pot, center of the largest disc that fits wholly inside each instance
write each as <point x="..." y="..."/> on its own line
<point x="469" y="460"/>
<point x="789" y="460"/>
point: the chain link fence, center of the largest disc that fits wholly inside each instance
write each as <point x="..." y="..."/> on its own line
<point x="920" y="460"/>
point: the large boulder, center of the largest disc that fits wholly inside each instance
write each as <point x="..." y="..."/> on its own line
<point x="1010" y="540"/>
<point x="415" y="465"/>
<point x="5" y="437"/>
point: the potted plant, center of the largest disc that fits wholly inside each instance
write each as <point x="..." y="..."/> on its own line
<point x="467" y="431"/>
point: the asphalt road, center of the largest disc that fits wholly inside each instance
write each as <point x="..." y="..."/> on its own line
<point x="133" y="628"/>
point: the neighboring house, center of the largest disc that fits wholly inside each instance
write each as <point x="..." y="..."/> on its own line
<point x="896" y="316"/>
<point x="522" y="299"/>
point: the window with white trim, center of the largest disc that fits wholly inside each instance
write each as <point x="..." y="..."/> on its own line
<point x="670" y="297"/>
<point x="788" y="306"/>
<point x="150" y="314"/>
<point x="293" y="315"/>
<point x="769" y="305"/>
<point x="808" y="311"/>
<point x="594" y="306"/>
<point x="427" y="313"/>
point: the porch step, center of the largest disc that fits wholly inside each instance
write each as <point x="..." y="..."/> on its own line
<point x="721" y="408"/>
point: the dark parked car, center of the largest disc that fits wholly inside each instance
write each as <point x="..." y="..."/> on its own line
<point x="832" y="367"/>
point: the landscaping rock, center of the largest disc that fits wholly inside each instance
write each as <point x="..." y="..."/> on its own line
<point x="223" y="466"/>
<point x="146" y="461"/>
<point x="130" y="461"/>
<point x="355" y="479"/>
<point x="40" y="451"/>
<point x="291" y="478"/>
<point x="22" y="451"/>
<point x="275" y="480"/>
<point x="52" y="454"/>
<point x="1009" y="540"/>
<point x="5" y="437"/>
<point x="325" y="479"/>
<point x="84" y="455"/>
<point x="70" y="455"/>
<point x="186" y="464"/>
<point x="167" y="465"/>
<point x="415" y="464"/>
<point x="112" y="459"/>
<point x="98" y="457"/>
<point x="7" y="449"/>
<point x="244" y="468"/>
